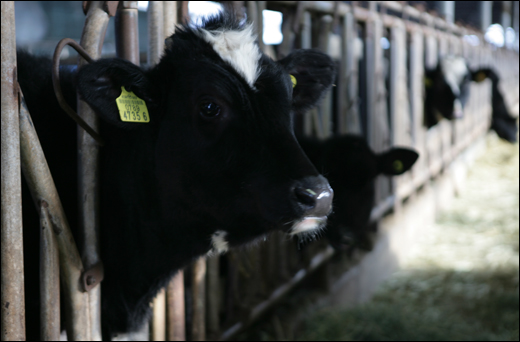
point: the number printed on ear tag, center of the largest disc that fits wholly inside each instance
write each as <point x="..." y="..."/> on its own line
<point x="132" y="108"/>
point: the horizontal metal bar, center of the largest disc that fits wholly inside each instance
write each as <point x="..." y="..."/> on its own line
<point x="278" y="294"/>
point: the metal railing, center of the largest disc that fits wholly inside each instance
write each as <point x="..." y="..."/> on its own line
<point x="378" y="93"/>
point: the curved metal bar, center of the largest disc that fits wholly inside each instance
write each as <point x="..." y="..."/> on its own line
<point x="57" y="86"/>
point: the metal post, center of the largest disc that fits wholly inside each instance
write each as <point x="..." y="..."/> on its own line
<point x="13" y="300"/>
<point x="158" y="327"/>
<point x="175" y="310"/>
<point x="198" y="327"/>
<point x="127" y="35"/>
<point x="447" y="9"/>
<point x="155" y="31"/>
<point x="41" y="184"/>
<point x="516" y="18"/>
<point x="92" y="38"/>
<point x="49" y="279"/>
<point x="170" y="17"/>
<point x="486" y="11"/>
<point x="213" y="297"/>
<point x="506" y="14"/>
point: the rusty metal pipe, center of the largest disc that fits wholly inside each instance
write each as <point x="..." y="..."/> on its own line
<point x="12" y="296"/>
<point x="158" y="326"/>
<point x="57" y="87"/>
<point x="92" y="37"/>
<point x="155" y="31"/>
<point x="41" y="184"/>
<point x="127" y="35"/>
<point x="49" y="279"/>
<point x="198" y="327"/>
<point x="175" y="309"/>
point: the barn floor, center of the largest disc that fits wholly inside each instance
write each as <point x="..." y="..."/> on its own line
<point x="460" y="281"/>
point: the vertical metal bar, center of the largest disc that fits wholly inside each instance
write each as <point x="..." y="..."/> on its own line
<point x="213" y="297"/>
<point x="93" y="35"/>
<point x="447" y="9"/>
<point x="420" y="171"/>
<point x="516" y="23"/>
<point x="198" y="327"/>
<point x="13" y="300"/>
<point x="378" y="130"/>
<point x="400" y="122"/>
<point x="155" y="31"/>
<point x="158" y="327"/>
<point x="351" y="57"/>
<point x="155" y="49"/>
<point x="325" y="108"/>
<point x="486" y="12"/>
<point x="505" y="18"/>
<point x="175" y="310"/>
<point x="127" y="35"/>
<point x="170" y="17"/>
<point x="306" y="43"/>
<point x="49" y="279"/>
<point x="39" y="180"/>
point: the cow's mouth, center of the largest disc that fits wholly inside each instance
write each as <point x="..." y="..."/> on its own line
<point x="308" y="224"/>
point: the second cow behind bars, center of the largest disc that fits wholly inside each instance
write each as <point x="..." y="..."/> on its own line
<point x="216" y="166"/>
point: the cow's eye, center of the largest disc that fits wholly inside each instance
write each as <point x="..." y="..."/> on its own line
<point x="209" y="109"/>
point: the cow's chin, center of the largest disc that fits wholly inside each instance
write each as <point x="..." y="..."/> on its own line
<point x="309" y="225"/>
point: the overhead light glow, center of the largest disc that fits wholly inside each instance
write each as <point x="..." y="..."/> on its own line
<point x="272" y="27"/>
<point x="202" y="9"/>
<point x="495" y="35"/>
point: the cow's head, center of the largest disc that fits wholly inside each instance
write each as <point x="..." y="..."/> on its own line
<point x="223" y="144"/>
<point x="351" y="168"/>
<point x="447" y="89"/>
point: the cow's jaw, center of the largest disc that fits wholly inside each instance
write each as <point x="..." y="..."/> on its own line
<point x="309" y="224"/>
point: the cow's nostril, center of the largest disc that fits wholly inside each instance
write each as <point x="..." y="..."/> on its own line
<point x="314" y="195"/>
<point x="306" y="197"/>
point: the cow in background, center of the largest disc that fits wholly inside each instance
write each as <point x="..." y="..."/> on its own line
<point x="447" y="90"/>
<point x="216" y="166"/>
<point x="351" y="168"/>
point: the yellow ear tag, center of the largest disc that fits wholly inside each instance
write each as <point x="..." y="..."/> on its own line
<point x="398" y="165"/>
<point x="293" y="79"/>
<point x="131" y="108"/>
<point x="481" y="76"/>
<point x="428" y="82"/>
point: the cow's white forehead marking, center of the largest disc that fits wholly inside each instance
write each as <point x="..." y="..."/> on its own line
<point x="454" y="69"/>
<point x="218" y="242"/>
<point x="238" y="48"/>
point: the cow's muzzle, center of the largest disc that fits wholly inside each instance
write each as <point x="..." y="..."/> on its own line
<point x="313" y="197"/>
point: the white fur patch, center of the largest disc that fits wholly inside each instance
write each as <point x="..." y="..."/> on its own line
<point x="454" y="69"/>
<point x="219" y="243"/>
<point x="308" y="224"/>
<point x="239" y="49"/>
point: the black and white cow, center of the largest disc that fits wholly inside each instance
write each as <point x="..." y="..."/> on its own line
<point x="217" y="166"/>
<point x="447" y="90"/>
<point x="351" y="168"/>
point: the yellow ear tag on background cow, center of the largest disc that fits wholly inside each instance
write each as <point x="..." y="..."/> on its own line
<point x="398" y="165"/>
<point x="428" y="82"/>
<point x="481" y="76"/>
<point x="131" y="108"/>
<point x="293" y="80"/>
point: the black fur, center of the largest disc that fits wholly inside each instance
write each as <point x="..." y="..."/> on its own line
<point x="351" y="168"/>
<point x="440" y="99"/>
<point x="166" y="186"/>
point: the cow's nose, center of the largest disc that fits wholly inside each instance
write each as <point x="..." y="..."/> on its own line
<point x="314" y="195"/>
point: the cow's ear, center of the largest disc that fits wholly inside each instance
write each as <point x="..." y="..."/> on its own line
<point x="396" y="161"/>
<point x="482" y="74"/>
<point x="313" y="74"/>
<point x="100" y="84"/>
